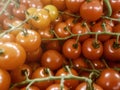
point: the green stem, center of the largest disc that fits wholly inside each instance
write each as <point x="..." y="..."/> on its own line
<point x="107" y="2"/>
<point x="5" y="7"/>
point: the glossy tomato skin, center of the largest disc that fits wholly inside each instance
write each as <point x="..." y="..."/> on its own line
<point x="83" y="85"/>
<point x="61" y="30"/>
<point x="71" y="83"/>
<point x="79" y="28"/>
<point x="19" y="11"/>
<point x="56" y="87"/>
<point x="29" y="39"/>
<point x="90" y="49"/>
<point x="60" y="4"/>
<point x="74" y="5"/>
<point x="52" y="59"/>
<point x="18" y="74"/>
<point x="71" y="49"/>
<point x="109" y="79"/>
<point x="115" y="4"/>
<point x="13" y="55"/>
<point x="5" y="80"/>
<point x="91" y="11"/>
<point x="111" y="51"/>
<point x="41" y="19"/>
<point x="8" y="38"/>
<point x="41" y="73"/>
<point x="98" y="28"/>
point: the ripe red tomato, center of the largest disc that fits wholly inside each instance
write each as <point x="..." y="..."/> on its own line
<point x="92" y="50"/>
<point x="13" y="55"/>
<point x="61" y="30"/>
<point x="79" y="28"/>
<point x="115" y="4"/>
<point x="112" y="50"/>
<point x="52" y="59"/>
<point x="83" y="85"/>
<point x="79" y="63"/>
<point x="56" y="87"/>
<point x="19" y="11"/>
<point x="34" y="55"/>
<point x="74" y="5"/>
<point x="71" y="83"/>
<point x="29" y="39"/>
<point x="41" y="73"/>
<point x="5" y="80"/>
<point x="7" y="38"/>
<point x="18" y="74"/>
<point x="109" y="79"/>
<point x="60" y="4"/>
<point x="91" y="10"/>
<point x="99" y="28"/>
<point x="71" y="49"/>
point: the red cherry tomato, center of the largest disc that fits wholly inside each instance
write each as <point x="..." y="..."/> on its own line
<point x="71" y="83"/>
<point x="91" y="10"/>
<point x="82" y="86"/>
<point x="5" y="80"/>
<point x="13" y="55"/>
<point x="52" y="59"/>
<point x="71" y="49"/>
<point x="109" y="79"/>
<point x="92" y="50"/>
<point x="112" y="50"/>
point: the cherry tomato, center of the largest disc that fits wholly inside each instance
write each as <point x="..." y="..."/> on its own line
<point x="92" y="50"/>
<point x="56" y="86"/>
<point x="70" y="22"/>
<point x="91" y="10"/>
<point x="52" y="59"/>
<point x="41" y="73"/>
<point x="25" y="3"/>
<point x="112" y="50"/>
<point x="12" y="55"/>
<point x="3" y="16"/>
<point x="53" y="11"/>
<point x="8" y="22"/>
<point x="18" y="74"/>
<point x="5" y="80"/>
<point x="7" y="38"/>
<point x="46" y="2"/>
<point x="109" y="79"/>
<point x="61" y="29"/>
<point x="71" y="83"/>
<point x="34" y="55"/>
<point x="46" y="34"/>
<point x="19" y="11"/>
<point x="71" y="49"/>
<point x="60" y="4"/>
<point x="31" y="88"/>
<point x="82" y="86"/>
<point x="79" y="28"/>
<point x="54" y="45"/>
<point x="98" y="64"/>
<point x="79" y="63"/>
<point x="29" y="39"/>
<point x="115" y="4"/>
<point x="74" y="5"/>
<point x="36" y="4"/>
<point x="41" y="19"/>
<point x="99" y="28"/>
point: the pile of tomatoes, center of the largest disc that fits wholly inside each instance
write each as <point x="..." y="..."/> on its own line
<point x="60" y="45"/>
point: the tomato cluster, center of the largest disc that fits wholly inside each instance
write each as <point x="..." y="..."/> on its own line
<point x="59" y="45"/>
